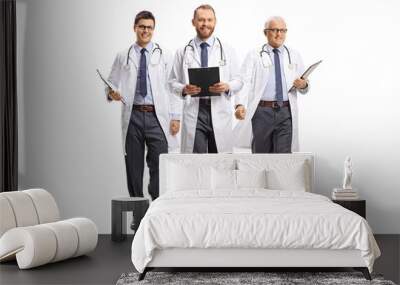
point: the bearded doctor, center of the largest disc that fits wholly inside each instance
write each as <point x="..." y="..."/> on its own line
<point x="206" y="122"/>
<point x="272" y="79"/>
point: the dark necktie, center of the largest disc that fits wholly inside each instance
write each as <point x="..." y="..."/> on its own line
<point x="204" y="54"/>
<point x="143" y="73"/>
<point x="278" y="77"/>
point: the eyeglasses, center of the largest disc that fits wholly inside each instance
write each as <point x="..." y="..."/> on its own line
<point x="275" y="31"/>
<point x="143" y="27"/>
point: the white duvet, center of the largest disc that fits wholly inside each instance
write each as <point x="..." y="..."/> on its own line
<point x="252" y="218"/>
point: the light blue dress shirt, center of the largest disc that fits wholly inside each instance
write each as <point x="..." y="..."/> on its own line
<point x="139" y="99"/>
<point x="210" y="41"/>
<point x="270" y="89"/>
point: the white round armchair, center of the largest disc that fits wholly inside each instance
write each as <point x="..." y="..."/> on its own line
<point x="31" y="230"/>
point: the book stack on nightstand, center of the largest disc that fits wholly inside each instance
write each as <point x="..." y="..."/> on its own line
<point x="344" y="194"/>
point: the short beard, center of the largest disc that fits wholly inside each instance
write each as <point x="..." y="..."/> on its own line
<point x="199" y="33"/>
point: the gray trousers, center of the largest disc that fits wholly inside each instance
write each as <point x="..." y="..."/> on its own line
<point x="204" y="140"/>
<point x="272" y="130"/>
<point x="143" y="128"/>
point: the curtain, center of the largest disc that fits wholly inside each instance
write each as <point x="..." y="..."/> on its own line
<point x="8" y="97"/>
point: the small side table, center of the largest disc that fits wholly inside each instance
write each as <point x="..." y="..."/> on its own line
<point x="137" y="205"/>
<point x="357" y="206"/>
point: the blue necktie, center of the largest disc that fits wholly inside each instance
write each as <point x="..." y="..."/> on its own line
<point x="278" y="77"/>
<point x="204" y="54"/>
<point x="143" y="73"/>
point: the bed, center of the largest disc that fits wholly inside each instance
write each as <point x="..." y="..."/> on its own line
<point x="246" y="211"/>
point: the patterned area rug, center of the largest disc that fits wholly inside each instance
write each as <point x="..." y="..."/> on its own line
<point x="243" y="278"/>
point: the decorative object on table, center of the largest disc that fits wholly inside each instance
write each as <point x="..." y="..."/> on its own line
<point x="137" y="205"/>
<point x="247" y="278"/>
<point x="348" y="173"/>
<point x="346" y="192"/>
<point x="32" y="233"/>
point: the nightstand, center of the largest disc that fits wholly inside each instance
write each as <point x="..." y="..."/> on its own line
<point x="357" y="206"/>
<point x="137" y="205"/>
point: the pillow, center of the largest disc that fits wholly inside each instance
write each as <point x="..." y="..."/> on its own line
<point x="183" y="177"/>
<point x="223" y="179"/>
<point x="251" y="178"/>
<point x="291" y="177"/>
<point x="282" y="174"/>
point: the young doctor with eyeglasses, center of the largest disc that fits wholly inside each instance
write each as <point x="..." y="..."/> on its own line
<point x="140" y="74"/>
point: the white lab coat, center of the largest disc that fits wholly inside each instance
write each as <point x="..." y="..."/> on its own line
<point x="254" y="76"/>
<point x="124" y="78"/>
<point x="221" y="106"/>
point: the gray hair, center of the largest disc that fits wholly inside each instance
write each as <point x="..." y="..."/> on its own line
<point x="271" y="19"/>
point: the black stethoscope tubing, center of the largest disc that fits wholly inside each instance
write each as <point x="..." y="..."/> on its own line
<point x="130" y="48"/>
<point x="221" y="49"/>
<point x="267" y="52"/>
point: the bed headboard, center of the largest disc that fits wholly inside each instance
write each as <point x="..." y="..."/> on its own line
<point x="212" y="159"/>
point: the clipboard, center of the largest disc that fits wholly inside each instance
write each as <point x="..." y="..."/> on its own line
<point x="307" y="73"/>
<point x="204" y="77"/>
<point x="109" y="85"/>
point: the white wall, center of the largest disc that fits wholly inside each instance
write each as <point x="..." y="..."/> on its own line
<point x="70" y="138"/>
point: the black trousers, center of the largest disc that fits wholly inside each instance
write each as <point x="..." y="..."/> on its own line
<point x="204" y="140"/>
<point x="144" y="129"/>
<point x="272" y="130"/>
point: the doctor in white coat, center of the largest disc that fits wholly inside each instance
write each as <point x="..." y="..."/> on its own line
<point x="140" y="73"/>
<point x="267" y="104"/>
<point x="206" y="122"/>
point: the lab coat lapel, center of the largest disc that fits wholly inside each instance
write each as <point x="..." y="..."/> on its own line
<point x="153" y="74"/>
<point x="214" y="54"/>
<point x="196" y="54"/>
<point x="289" y="72"/>
<point x="133" y="58"/>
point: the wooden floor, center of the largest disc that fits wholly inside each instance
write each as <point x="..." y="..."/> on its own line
<point x="111" y="259"/>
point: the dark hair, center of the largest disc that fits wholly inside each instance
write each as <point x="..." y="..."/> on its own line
<point x="144" y="15"/>
<point x="204" y="6"/>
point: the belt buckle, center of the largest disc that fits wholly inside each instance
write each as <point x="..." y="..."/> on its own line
<point x="146" y="108"/>
<point x="275" y="106"/>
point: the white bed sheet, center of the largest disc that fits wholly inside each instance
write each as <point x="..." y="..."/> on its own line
<point x="250" y="218"/>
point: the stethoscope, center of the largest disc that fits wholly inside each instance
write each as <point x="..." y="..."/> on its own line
<point x="222" y="60"/>
<point x="269" y="63"/>
<point x="152" y="62"/>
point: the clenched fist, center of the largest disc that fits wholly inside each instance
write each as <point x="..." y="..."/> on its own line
<point x="174" y="127"/>
<point x="240" y="112"/>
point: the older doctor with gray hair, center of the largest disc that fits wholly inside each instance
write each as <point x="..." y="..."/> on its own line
<point x="267" y="105"/>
